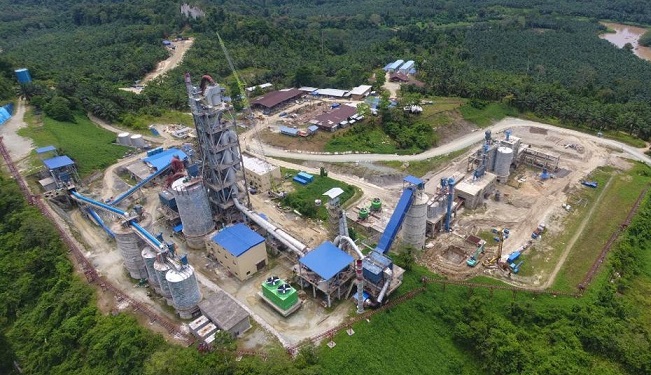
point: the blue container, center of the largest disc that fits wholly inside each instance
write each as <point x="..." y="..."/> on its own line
<point x="193" y="170"/>
<point x="23" y="76"/>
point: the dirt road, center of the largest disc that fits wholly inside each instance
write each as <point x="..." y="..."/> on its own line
<point x="18" y="147"/>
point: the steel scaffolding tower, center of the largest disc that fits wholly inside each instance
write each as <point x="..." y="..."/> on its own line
<point x="222" y="167"/>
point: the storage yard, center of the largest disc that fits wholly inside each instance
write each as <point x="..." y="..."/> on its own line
<point x="201" y="239"/>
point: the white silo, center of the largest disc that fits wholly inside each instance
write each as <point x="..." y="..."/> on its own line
<point x="137" y="141"/>
<point x="149" y="257"/>
<point x="123" y="139"/>
<point x="161" y="268"/>
<point x="185" y="290"/>
<point x="414" y="226"/>
<point x="503" y="161"/>
<point x="194" y="210"/>
<point x="130" y="246"/>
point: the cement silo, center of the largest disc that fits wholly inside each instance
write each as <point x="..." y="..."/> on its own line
<point x="503" y="161"/>
<point x="130" y="245"/>
<point x="124" y="139"/>
<point x="161" y="268"/>
<point x="149" y="256"/>
<point x="185" y="290"/>
<point x="137" y="141"/>
<point x="413" y="228"/>
<point x="194" y="210"/>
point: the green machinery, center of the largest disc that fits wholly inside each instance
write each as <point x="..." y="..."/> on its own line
<point x="363" y="213"/>
<point x="376" y="205"/>
<point x="474" y="259"/>
<point x="279" y="293"/>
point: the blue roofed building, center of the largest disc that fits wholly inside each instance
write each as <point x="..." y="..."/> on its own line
<point x="239" y="249"/>
<point x="406" y="67"/>
<point x="327" y="270"/>
<point x="62" y="169"/>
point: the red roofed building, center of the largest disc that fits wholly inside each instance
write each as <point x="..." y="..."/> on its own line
<point x="332" y="120"/>
<point x="275" y="99"/>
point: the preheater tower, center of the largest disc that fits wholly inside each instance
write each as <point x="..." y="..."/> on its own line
<point x="219" y="147"/>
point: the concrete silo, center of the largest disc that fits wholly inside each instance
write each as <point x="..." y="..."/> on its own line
<point x="194" y="210"/>
<point x="414" y="226"/>
<point x="130" y="245"/>
<point x="185" y="290"/>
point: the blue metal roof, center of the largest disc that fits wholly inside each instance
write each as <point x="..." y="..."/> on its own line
<point x="288" y="130"/>
<point x="163" y="159"/>
<point x="396" y="64"/>
<point x="45" y="149"/>
<point x="4" y="115"/>
<point x="312" y="128"/>
<point x="408" y="65"/>
<point x="178" y="228"/>
<point x="58" y="162"/>
<point x="413" y="180"/>
<point x="237" y="239"/>
<point x="326" y="260"/>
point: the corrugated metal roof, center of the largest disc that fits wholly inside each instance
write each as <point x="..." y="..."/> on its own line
<point x="288" y="130"/>
<point x="163" y="159"/>
<point x="333" y="92"/>
<point x="274" y="98"/>
<point x="237" y="239"/>
<point x="413" y="180"/>
<point x="360" y="90"/>
<point x="312" y="128"/>
<point x="45" y="149"/>
<point x="58" y="162"/>
<point x="326" y="260"/>
<point x="395" y="222"/>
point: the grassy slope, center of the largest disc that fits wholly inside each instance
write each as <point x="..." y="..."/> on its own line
<point x="90" y="146"/>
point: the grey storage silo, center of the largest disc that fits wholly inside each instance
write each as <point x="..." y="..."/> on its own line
<point x="194" y="210"/>
<point x="149" y="256"/>
<point x="185" y="290"/>
<point x="161" y="268"/>
<point x="124" y="139"/>
<point x="130" y="246"/>
<point x="503" y="161"/>
<point x="415" y="224"/>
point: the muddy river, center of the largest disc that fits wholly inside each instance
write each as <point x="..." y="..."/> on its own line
<point x="627" y="34"/>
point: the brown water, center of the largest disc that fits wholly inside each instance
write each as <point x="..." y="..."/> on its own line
<point x="627" y="34"/>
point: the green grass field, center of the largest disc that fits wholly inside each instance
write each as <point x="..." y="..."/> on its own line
<point x="142" y="122"/>
<point x="486" y="116"/>
<point x="421" y="167"/>
<point x="91" y="147"/>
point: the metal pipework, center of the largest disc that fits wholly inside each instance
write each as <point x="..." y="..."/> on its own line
<point x="385" y="288"/>
<point x="295" y="245"/>
<point x="360" y="286"/>
<point x="352" y="244"/>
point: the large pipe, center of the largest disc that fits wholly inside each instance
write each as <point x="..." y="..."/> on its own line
<point x="286" y="239"/>
<point x="129" y="192"/>
<point x="360" y="286"/>
<point x="385" y="288"/>
<point x="97" y="204"/>
<point x="352" y="244"/>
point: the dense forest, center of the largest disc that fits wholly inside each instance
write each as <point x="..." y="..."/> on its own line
<point x="539" y="56"/>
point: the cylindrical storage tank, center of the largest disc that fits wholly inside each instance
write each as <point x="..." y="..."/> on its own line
<point x="137" y="141"/>
<point x="161" y="268"/>
<point x="185" y="290"/>
<point x="503" y="160"/>
<point x="194" y="210"/>
<point x="149" y="256"/>
<point x="433" y="210"/>
<point x="130" y="246"/>
<point x="123" y="139"/>
<point x="23" y="76"/>
<point x="413" y="228"/>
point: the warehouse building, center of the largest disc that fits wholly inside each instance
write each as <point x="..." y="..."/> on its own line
<point x="335" y="119"/>
<point x="226" y="313"/>
<point x="259" y="173"/>
<point x="239" y="249"/>
<point x="360" y="92"/>
<point x="276" y="99"/>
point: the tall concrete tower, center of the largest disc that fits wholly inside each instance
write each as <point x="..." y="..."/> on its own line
<point x="219" y="146"/>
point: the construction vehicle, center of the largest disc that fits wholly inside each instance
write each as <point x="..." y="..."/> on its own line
<point x="538" y="231"/>
<point x="500" y="242"/>
<point x="590" y="184"/>
<point x="515" y="267"/>
<point x="474" y="259"/>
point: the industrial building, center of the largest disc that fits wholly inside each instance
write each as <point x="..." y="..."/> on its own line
<point x="326" y="269"/>
<point x="332" y="93"/>
<point x="239" y="249"/>
<point x="274" y="100"/>
<point x="259" y="173"/>
<point x="360" y="92"/>
<point x="61" y="168"/>
<point x="226" y="313"/>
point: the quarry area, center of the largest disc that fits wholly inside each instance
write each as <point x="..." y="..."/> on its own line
<point x="192" y="225"/>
